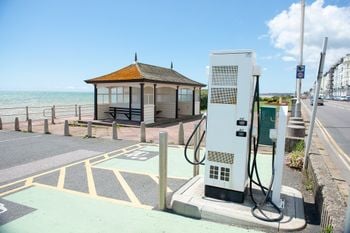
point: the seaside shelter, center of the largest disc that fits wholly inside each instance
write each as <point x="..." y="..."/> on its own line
<point x="145" y="93"/>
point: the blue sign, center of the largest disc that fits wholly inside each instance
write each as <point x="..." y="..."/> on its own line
<point x="300" y="71"/>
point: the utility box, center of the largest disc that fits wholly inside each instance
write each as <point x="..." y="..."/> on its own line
<point x="267" y="122"/>
<point x="230" y="96"/>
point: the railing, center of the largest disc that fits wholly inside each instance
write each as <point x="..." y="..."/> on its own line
<point x="41" y="112"/>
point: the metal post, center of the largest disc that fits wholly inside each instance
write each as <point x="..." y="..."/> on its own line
<point x="347" y="219"/>
<point x="143" y="132"/>
<point x="52" y="115"/>
<point x="27" y="113"/>
<point x="30" y="128"/>
<point x="0" y="124"/>
<point x="17" y="124"/>
<point x="279" y="159"/>
<point x="89" y="129"/>
<point x="314" y="107"/>
<point x="66" y="128"/>
<point x="46" y="126"/>
<point x="196" y="155"/>
<point x="76" y="110"/>
<point x="298" y="104"/>
<point x="181" y="135"/>
<point x="79" y="113"/>
<point x="163" y="157"/>
<point x="114" y="130"/>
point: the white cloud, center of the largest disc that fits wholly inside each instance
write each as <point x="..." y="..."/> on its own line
<point x="320" y="21"/>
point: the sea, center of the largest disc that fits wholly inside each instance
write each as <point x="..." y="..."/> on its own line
<point x="13" y="104"/>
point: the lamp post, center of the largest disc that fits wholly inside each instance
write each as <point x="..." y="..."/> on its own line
<point x="298" y="81"/>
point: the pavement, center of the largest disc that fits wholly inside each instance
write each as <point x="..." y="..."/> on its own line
<point x="105" y="132"/>
<point x="90" y="185"/>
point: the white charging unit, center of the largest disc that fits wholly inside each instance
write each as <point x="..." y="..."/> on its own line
<point x="230" y="95"/>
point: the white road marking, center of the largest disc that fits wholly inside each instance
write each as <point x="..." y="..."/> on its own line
<point x="21" y="138"/>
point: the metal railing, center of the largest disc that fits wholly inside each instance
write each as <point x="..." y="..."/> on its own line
<point x="24" y="113"/>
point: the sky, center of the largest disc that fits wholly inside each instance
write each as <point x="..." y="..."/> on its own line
<point x="56" y="45"/>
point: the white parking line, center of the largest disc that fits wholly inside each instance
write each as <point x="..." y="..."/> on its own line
<point x="21" y="138"/>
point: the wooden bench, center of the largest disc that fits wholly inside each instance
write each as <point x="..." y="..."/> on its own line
<point x="128" y="112"/>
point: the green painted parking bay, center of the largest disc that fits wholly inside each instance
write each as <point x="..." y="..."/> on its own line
<point x="58" y="212"/>
<point x="112" y="192"/>
<point x="145" y="160"/>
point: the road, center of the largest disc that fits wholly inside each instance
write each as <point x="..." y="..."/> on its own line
<point x="333" y="127"/>
<point x="60" y="184"/>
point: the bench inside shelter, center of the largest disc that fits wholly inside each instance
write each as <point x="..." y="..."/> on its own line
<point x="128" y="112"/>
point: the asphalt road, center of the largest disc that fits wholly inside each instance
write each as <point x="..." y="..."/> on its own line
<point x="24" y="154"/>
<point x="335" y="119"/>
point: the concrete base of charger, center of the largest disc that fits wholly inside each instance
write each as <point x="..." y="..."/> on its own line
<point x="190" y="201"/>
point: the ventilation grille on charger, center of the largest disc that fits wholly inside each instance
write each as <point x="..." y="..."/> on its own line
<point x="220" y="157"/>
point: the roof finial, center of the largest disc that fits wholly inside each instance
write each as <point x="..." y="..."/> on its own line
<point x="135" y="59"/>
<point x="171" y="65"/>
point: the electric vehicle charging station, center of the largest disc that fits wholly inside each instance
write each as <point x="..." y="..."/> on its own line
<point x="230" y="96"/>
<point x="230" y="159"/>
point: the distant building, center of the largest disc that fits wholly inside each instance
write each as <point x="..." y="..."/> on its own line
<point x="336" y="81"/>
<point x="145" y="93"/>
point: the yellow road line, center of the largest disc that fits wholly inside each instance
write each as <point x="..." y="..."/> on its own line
<point x="156" y="179"/>
<point x="60" y="183"/>
<point x="29" y="181"/>
<point x="65" y="166"/>
<point x="90" y="179"/>
<point x="127" y="188"/>
<point x="341" y="154"/>
<point x="12" y="190"/>
<point x="115" y="201"/>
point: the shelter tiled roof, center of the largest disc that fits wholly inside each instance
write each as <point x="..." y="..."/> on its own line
<point x="140" y="72"/>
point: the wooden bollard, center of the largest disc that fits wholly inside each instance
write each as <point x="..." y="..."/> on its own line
<point x="89" y="129"/>
<point x="46" y="126"/>
<point x="52" y="115"/>
<point x="114" y="131"/>
<point x="66" y="128"/>
<point x="79" y="113"/>
<point x="0" y="124"/>
<point x="143" y="132"/>
<point x="30" y="128"/>
<point x="17" y="124"/>
<point x="181" y="135"/>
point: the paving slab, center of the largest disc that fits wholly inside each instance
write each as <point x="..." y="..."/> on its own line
<point x="190" y="201"/>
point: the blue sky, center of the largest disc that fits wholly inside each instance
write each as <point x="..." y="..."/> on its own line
<point x="55" y="45"/>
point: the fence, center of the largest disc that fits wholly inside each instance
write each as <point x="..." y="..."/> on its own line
<point x="42" y="112"/>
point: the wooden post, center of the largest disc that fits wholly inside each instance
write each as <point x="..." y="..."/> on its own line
<point x="181" y="135"/>
<point x="30" y="128"/>
<point x="176" y="102"/>
<point x="142" y="85"/>
<point x="130" y="101"/>
<point x="143" y="132"/>
<point x="95" y="102"/>
<point x="114" y="130"/>
<point x="155" y="100"/>
<point x="66" y="128"/>
<point x="46" y="126"/>
<point x="27" y="113"/>
<point x="193" y="101"/>
<point x="17" y="124"/>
